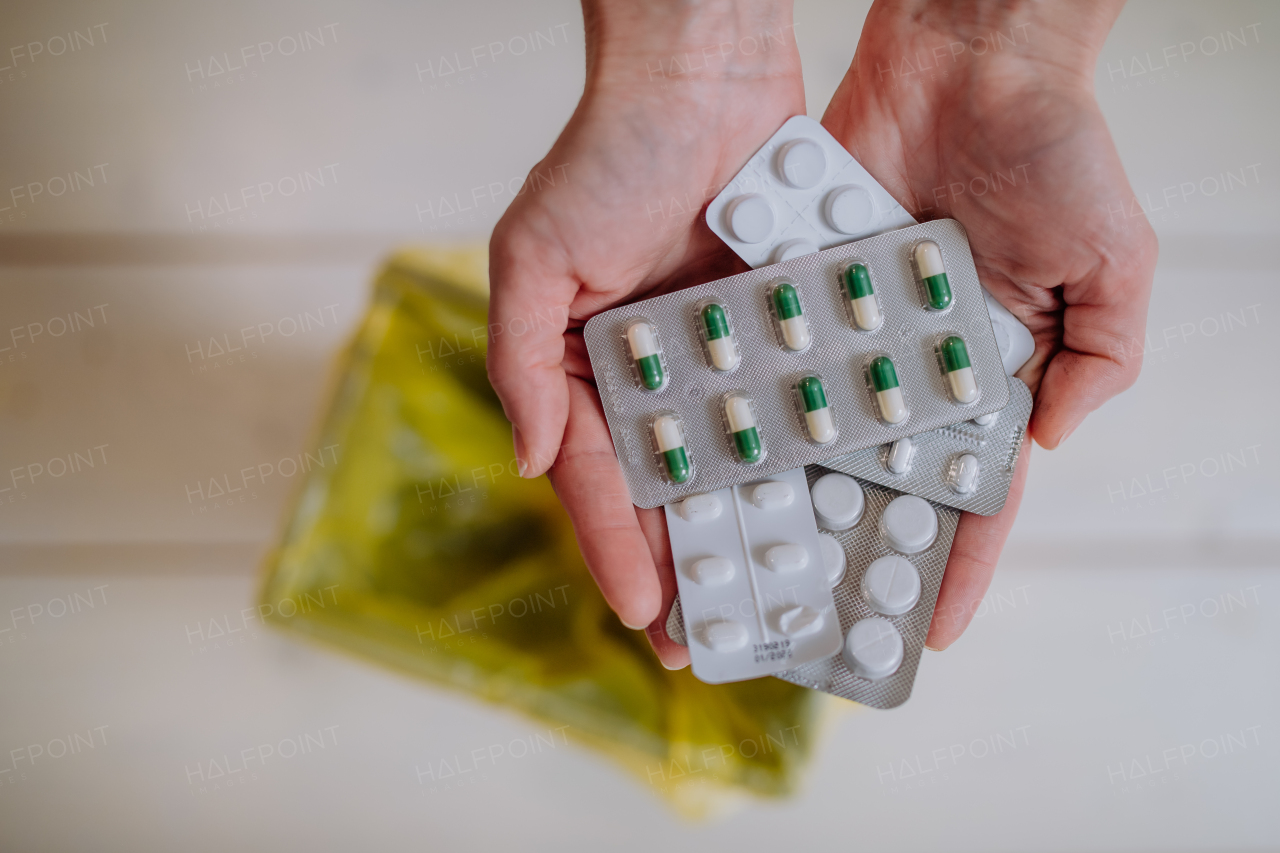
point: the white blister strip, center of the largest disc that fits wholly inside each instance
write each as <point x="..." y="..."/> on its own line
<point x="838" y="355"/>
<point x="801" y="192"/>
<point x="877" y="667"/>
<point x="934" y="465"/>
<point x="754" y="580"/>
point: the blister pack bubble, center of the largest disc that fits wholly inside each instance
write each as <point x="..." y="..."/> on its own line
<point x="839" y="353"/>
<point x="863" y="545"/>
<point x="936" y="458"/>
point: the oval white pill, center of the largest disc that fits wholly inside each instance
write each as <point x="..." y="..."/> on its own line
<point x="751" y="218"/>
<point x="712" y="571"/>
<point x="724" y="636"/>
<point x="699" y="508"/>
<point x="900" y="453"/>
<point x="986" y="420"/>
<point x="850" y="209"/>
<point x="837" y="501"/>
<point x="786" y="558"/>
<point x="833" y="558"/>
<point x="802" y="163"/>
<point x="800" y="621"/>
<point x="891" y="585"/>
<point x="794" y="249"/>
<point x="909" y="524"/>
<point x="963" y="476"/>
<point x="772" y="495"/>
<point x="873" y="648"/>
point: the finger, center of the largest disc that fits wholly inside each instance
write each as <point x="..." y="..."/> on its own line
<point x="528" y="312"/>
<point x="1103" y="328"/>
<point x="589" y="483"/>
<point x="653" y="523"/>
<point x="974" y="554"/>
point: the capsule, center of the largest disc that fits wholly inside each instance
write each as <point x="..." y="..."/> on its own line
<point x="817" y="414"/>
<point x="670" y="440"/>
<point x="862" y="298"/>
<point x="643" y="341"/>
<point x="742" y="426"/>
<point x="933" y="274"/>
<point x="963" y="476"/>
<point x="900" y="453"/>
<point x="955" y="358"/>
<point x="791" y="320"/>
<point x="884" y="381"/>
<point x="719" y="337"/>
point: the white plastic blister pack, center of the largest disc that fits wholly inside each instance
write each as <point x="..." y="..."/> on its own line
<point x="803" y="361"/>
<point x="800" y="193"/>
<point x="749" y="567"/>
<point x="968" y="465"/>
<point x="887" y="553"/>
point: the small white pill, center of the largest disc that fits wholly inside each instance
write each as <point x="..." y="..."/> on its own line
<point x="794" y="249"/>
<point x="909" y="524"/>
<point x="873" y="648"/>
<point x="698" y="509"/>
<point x="986" y="420"/>
<point x="900" y="453"/>
<point x="712" y="571"/>
<point x="751" y="218"/>
<point x="802" y="163"/>
<point x="724" y="636"/>
<point x="891" y="585"/>
<point x="772" y="495"/>
<point x="786" y="558"/>
<point x="837" y="501"/>
<point x="963" y="476"/>
<point x="800" y="621"/>
<point x="850" y="209"/>
<point x="833" y="558"/>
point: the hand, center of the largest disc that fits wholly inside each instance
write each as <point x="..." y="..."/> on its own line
<point x="1004" y="135"/>
<point x="676" y="100"/>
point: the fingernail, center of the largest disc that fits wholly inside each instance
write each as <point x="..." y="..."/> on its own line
<point x="517" y="441"/>
<point x="632" y="627"/>
<point x="1067" y="435"/>
<point x="932" y="649"/>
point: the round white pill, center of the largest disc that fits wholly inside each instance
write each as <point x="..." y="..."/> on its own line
<point x="963" y="476"/>
<point x="794" y="249"/>
<point x="699" y="509"/>
<point x="751" y="218"/>
<point x="799" y="621"/>
<point x="712" y="571"/>
<point x="837" y="501"/>
<point x="891" y="585"/>
<point x="873" y="648"/>
<point x="786" y="558"/>
<point x="772" y="495"/>
<point x="833" y="559"/>
<point x="986" y="420"/>
<point x="909" y="524"/>
<point x="802" y="163"/>
<point x="850" y="209"/>
<point x="724" y="636"/>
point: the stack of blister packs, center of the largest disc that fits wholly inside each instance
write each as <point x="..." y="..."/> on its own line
<point x="815" y="426"/>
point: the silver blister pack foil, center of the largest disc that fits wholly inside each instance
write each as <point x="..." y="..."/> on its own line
<point x="935" y="454"/>
<point x="862" y="546"/>
<point x="767" y="372"/>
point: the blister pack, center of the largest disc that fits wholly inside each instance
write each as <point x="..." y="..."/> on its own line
<point x="803" y="361"/>
<point x="894" y="555"/>
<point x="968" y="465"/>
<point x="800" y="193"/>
<point x="749" y="568"/>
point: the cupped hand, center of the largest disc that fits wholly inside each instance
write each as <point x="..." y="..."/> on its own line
<point x="1005" y="136"/>
<point x="611" y="215"/>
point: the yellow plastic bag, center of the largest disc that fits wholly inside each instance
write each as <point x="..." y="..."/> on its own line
<point x="414" y="542"/>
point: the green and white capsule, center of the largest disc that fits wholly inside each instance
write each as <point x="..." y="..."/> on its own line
<point x="933" y="275"/>
<point x="884" y="381"/>
<point x="790" y="314"/>
<point x="642" y="339"/>
<point x="955" y="359"/>
<point x="742" y="427"/>
<point x="817" y="414"/>
<point x="862" y="298"/>
<point x="670" y="440"/>
<point x="719" y="337"/>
